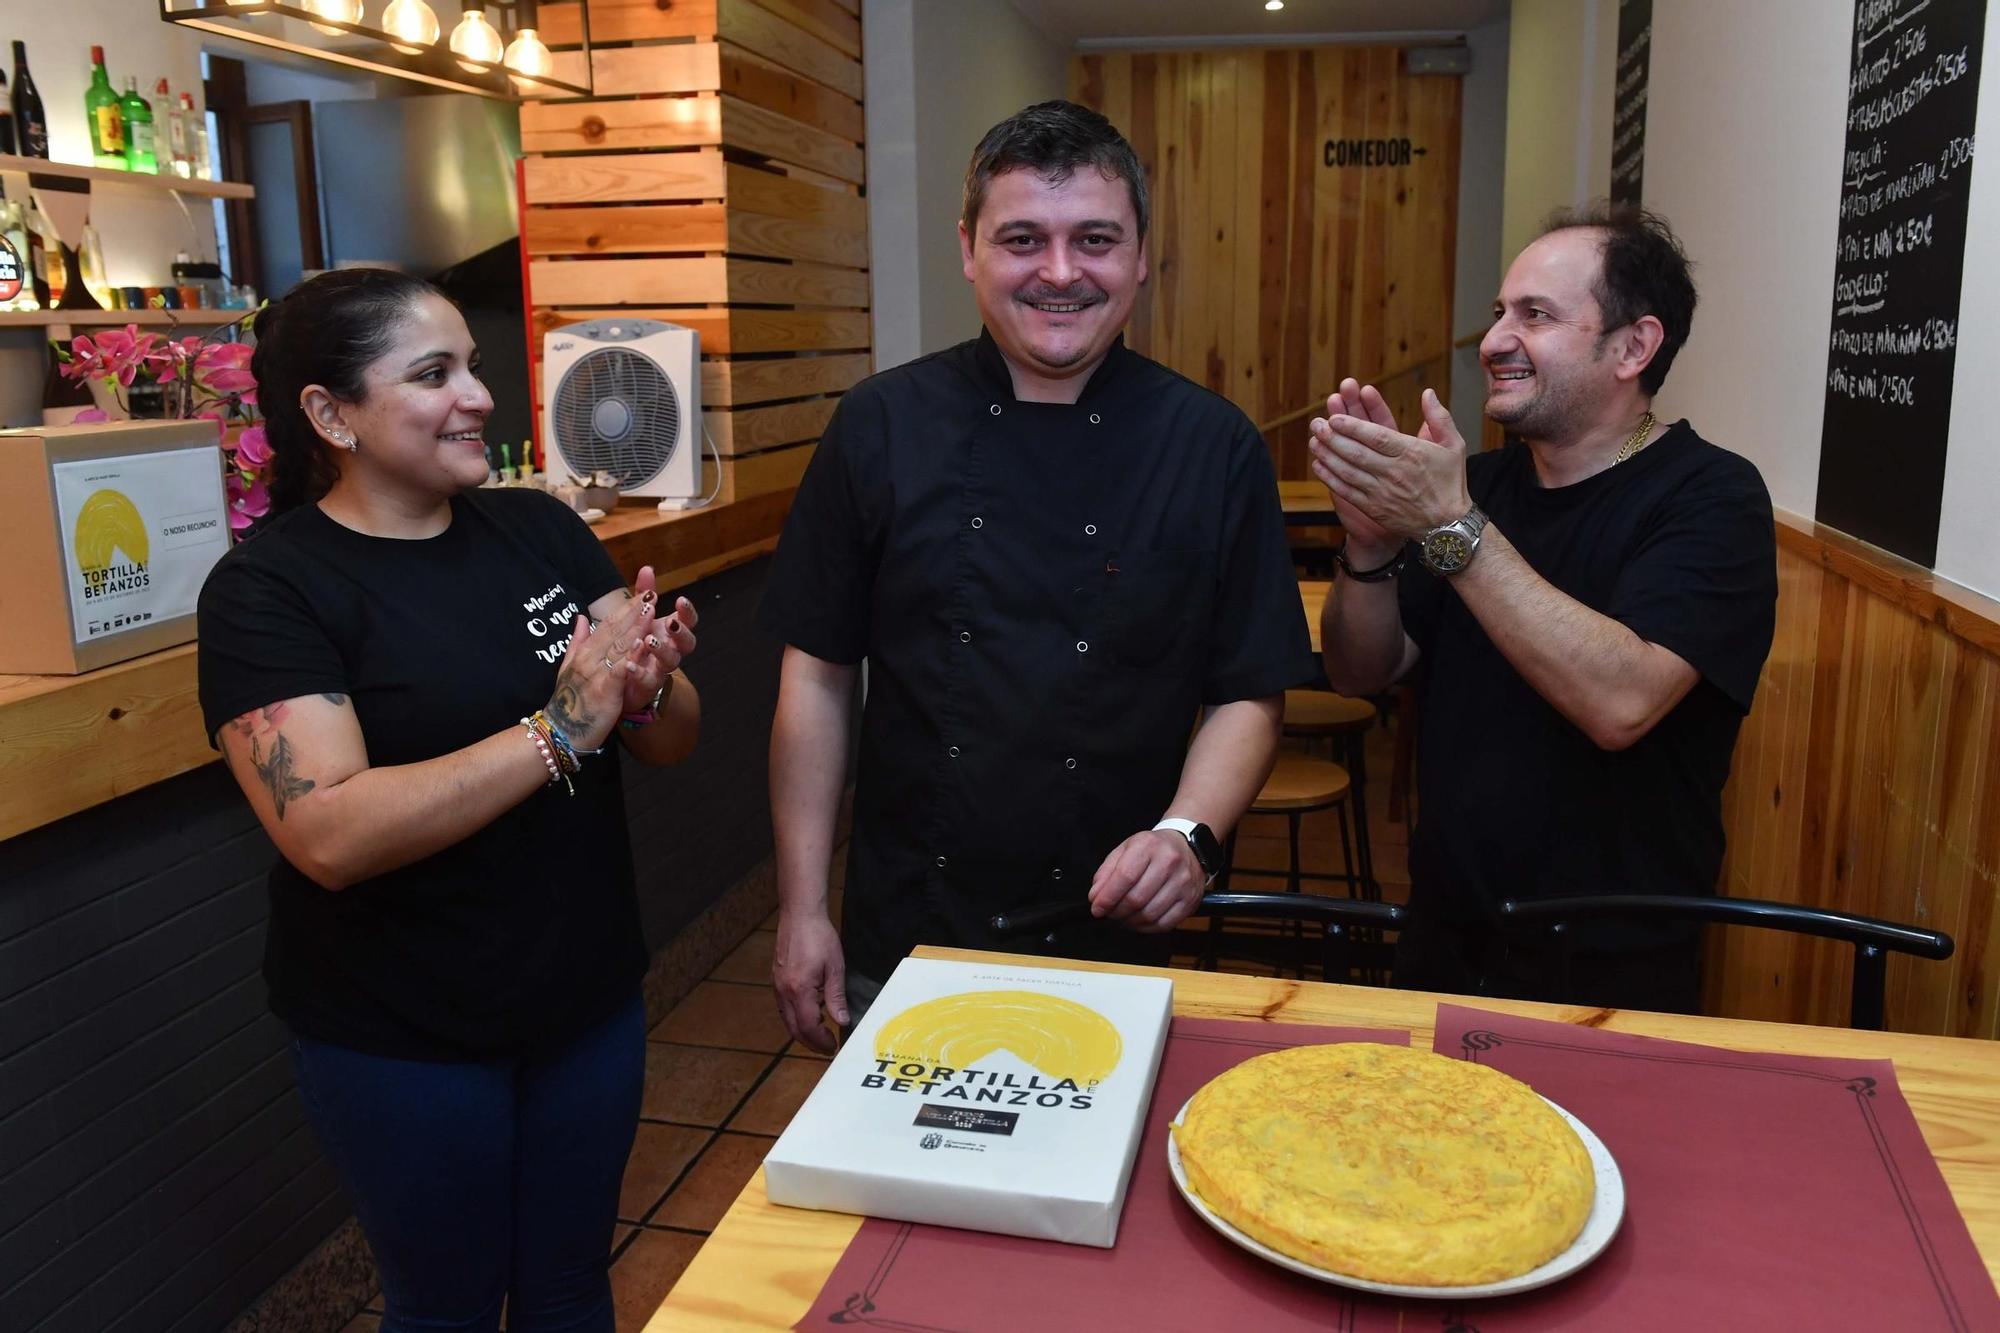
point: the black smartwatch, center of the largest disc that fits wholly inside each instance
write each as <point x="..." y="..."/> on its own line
<point x="1200" y="837"/>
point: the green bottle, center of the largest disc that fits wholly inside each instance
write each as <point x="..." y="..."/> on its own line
<point x="107" y="123"/>
<point x="138" y="114"/>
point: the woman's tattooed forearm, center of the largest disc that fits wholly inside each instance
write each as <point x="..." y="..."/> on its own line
<point x="567" y="707"/>
<point x="272" y="755"/>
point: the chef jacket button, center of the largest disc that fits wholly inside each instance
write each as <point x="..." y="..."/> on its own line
<point x="940" y="863"/>
<point x="1090" y="529"/>
<point x="1056" y="873"/>
<point x="1069" y="763"/>
<point x="1082" y="647"/>
<point x="965" y="636"/>
<point x="1095" y="419"/>
<point x="995" y="409"/>
<point x="978" y="522"/>
<point x="953" y="752"/>
<point x="1049" y="938"/>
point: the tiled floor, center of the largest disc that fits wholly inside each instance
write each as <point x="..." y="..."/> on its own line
<point x="722" y="1079"/>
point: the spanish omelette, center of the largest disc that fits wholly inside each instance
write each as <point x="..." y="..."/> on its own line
<point x="1388" y="1164"/>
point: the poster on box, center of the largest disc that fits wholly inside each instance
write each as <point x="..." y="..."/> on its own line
<point x="983" y="1095"/>
<point x="140" y="534"/>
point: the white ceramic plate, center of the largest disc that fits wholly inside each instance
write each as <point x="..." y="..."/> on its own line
<point x="1607" y="1210"/>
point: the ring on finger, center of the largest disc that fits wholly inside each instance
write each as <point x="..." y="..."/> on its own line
<point x="607" y="664"/>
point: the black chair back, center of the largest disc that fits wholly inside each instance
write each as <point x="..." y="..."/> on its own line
<point x="1342" y="925"/>
<point x="1873" y="939"/>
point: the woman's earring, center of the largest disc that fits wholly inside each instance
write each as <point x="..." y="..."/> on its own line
<point x="348" y="442"/>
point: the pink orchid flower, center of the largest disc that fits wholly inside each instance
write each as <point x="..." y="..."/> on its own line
<point x="253" y="449"/>
<point x="247" y="500"/>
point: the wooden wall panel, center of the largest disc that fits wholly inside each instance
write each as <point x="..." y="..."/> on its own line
<point x="630" y="208"/>
<point x="1274" y="274"/>
<point x="1867" y="779"/>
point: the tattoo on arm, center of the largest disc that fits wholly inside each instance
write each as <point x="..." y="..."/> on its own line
<point x="335" y="699"/>
<point x="567" y="708"/>
<point x="275" y="766"/>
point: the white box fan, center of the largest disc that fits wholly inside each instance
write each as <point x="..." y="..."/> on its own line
<point x="623" y="396"/>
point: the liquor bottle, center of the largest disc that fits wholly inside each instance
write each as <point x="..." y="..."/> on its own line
<point x="17" y="271"/>
<point x="137" y="113"/>
<point x="31" y="121"/>
<point x="179" y="155"/>
<point x="39" y="230"/>
<point x="100" y="107"/>
<point x="195" y="124"/>
<point x="7" y="141"/>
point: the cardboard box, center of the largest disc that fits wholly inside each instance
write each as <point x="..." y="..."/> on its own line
<point x="106" y="533"/>
<point x="1004" y="1099"/>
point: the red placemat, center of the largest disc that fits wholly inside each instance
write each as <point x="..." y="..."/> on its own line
<point x="1168" y="1270"/>
<point x="1762" y="1191"/>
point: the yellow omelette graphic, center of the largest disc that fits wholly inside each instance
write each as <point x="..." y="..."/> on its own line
<point x="1059" y="1037"/>
<point x="107" y="523"/>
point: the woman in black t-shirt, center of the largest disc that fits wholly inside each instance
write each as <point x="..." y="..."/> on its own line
<point x="454" y="937"/>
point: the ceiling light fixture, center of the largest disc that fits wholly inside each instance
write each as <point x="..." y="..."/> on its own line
<point x="1274" y="5"/>
<point x="475" y="41"/>
<point x="494" y="51"/>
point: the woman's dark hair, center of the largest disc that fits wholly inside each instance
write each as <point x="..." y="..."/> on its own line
<point x="325" y="331"/>
<point x="1053" y="139"/>
<point x="1645" y="272"/>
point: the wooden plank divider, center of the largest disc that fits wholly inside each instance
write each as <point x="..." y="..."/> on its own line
<point x="626" y="229"/>
<point x="704" y="280"/>
<point x="776" y="88"/>
<point x="757" y="29"/>
<point x="759" y="474"/>
<point x="751" y="430"/>
<point x="783" y="196"/>
<point x="682" y="67"/>
<point x="727" y="331"/>
<point x="732" y="383"/>
<point x="695" y="174"/>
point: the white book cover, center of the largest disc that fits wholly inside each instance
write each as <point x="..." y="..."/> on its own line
<point x="991" y="1097"/>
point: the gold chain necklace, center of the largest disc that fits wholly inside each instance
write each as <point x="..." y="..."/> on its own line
<point x="1637" y="440"/>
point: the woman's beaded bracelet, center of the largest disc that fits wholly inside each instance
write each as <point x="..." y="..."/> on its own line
<point x="535" y="727"/>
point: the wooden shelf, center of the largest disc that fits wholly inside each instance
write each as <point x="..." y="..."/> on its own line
<point x="204" y="318"/>
<point x="137" y="180"/>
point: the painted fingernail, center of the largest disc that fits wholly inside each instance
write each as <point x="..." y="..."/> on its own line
<point x="652" y="642"/>
<point x="673" y="625"/>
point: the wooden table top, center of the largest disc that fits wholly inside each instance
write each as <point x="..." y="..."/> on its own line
<point x="1305" y="502"/>
<point x="764" y="1264"/>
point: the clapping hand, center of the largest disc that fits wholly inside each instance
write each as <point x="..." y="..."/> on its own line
<point x="659" y="646"/>
<point x="1388" y="486"/>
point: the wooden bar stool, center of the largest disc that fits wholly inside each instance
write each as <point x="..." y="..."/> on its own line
<point x="1298" y="785"/>
<point x="1342" y="722"/>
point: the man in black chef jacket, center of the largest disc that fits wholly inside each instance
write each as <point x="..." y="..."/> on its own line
<point x="1053" y="553"/>
<point x="1585" y="615"/>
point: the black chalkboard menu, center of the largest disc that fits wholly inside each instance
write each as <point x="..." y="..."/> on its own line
<point x="1628" y="105"/>
<point x="1913" y="90"/>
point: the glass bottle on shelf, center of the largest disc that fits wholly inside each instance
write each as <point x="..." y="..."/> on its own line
<point x="38" y="231"/>
<point x="7" y="140"/>
<point x="107" y="122"/>
<point x="31" y="120"/>
<point x="196" y="125"/>
<point x="180" y="153"/>
<point x="17" y="265"/>
<point x="138" y="116"/>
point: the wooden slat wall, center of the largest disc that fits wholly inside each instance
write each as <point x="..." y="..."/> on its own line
<point x="1274" y="274"/>
<point x="713" y="180"/>
<point x="1867" y="779"/>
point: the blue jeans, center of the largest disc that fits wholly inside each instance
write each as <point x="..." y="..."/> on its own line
<point x="478" y="1182"/>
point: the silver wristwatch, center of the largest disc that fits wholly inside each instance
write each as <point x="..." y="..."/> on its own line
<point x="1449" y="548"/>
